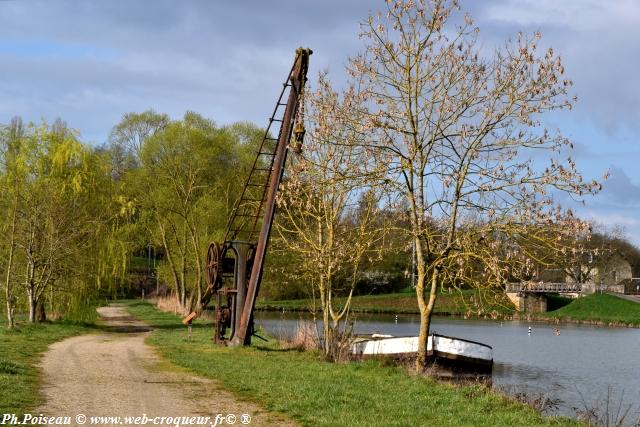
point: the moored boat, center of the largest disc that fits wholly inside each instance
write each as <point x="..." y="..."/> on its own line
<point x="455" y="353"/>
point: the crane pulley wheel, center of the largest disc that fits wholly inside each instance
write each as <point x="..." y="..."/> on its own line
<point x="214" y="266"/>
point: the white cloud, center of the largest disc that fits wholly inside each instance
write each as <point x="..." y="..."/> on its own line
<point x="611" y="219"/>
<point x="577" y="15"/>
<point x="608" y="221"/>
<point x="620" y="190"/>
<point x="90" y="61"/>
<point x="598" y="43"/>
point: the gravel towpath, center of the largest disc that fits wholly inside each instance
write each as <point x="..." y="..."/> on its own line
<point x="115" y="374"/>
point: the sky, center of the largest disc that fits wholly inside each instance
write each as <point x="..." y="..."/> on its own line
<point x="90" y="61"/>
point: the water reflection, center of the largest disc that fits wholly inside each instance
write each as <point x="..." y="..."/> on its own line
<point x="583" y="366"/>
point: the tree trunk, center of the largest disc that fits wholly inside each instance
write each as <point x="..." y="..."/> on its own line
<point x="169" y="258"/>
<point x="40" y="314"/>
<point x="328" y="333"/>
<point x="7" y="291"/>
<point x="31" y="290"/>
<point x="196" y="254"/>
<point x="32" y="305"/>
<point x="423" y="335"/>
<point x="425" y="306"/>
<point x="425" y="322"/>
<point x="10" y="318"/>
<point x="183" y="289"/>
<point x="183" y="270"/>
<point x="10" y="305"/>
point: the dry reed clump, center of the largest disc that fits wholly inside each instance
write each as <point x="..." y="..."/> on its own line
<point x="610" y="411"/>
<point x="340" y="347"/>
<point x="304" y="337"/>
<point x="169" y="304"/>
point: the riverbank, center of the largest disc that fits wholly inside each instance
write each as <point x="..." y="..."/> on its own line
<point x="315" y="392"/>
<point x="596" y="309"/>
<point x="21" y="349"/>
<point x="456" y="303"/>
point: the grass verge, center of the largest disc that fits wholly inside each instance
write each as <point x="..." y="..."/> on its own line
<point x="599" y="308"/>
<point x="317" y="393"/>
<point x="20" y="352"/>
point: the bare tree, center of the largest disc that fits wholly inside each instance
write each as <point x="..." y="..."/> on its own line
<point x="458" y="132"/>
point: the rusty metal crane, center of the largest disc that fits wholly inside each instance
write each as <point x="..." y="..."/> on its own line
<point x="240" y="258"/>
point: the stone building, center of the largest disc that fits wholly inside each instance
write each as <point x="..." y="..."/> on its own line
<point x="610" y="274"/>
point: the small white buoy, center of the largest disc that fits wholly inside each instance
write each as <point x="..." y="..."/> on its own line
<point x="396" y="318"/>
<point x="529" y="330"/>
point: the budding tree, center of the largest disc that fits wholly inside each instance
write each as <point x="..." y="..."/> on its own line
<point x="459" y="133"/>
<point x="328" y="210"/>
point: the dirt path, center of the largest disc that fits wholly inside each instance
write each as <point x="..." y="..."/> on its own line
<point x="634" y="298"/>
<point x="115" y="374"/>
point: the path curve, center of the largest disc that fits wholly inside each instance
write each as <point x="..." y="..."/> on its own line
<point x="116" y="374"/>
<point x="628" y="297"/>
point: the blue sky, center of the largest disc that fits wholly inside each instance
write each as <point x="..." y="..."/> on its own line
<point x="90" y="61"/>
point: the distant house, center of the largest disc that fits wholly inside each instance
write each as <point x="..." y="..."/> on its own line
<point x="612" y="272"/>
<point x="630" y="286"/>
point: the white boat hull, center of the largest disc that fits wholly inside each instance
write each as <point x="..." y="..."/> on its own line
<point x="449" y="349"/>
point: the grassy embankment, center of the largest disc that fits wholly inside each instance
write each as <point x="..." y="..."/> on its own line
<point x="314" y="392"/>
<point x="20" y="352"/>
<point x="466" y="302"/>
<point x="600" y="309"/>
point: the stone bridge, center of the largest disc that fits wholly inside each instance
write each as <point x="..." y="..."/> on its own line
<point x="530" y="296"/>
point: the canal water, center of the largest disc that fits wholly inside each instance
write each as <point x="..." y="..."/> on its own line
<point x="583" y="367"/>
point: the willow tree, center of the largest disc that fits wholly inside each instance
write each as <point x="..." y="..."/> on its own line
<point x="176" y="174"/>
<point x="328" y="219"/>
<point x="186" y="183"/>
<point x="56" y="195"/>
<point x="458" y="130"/>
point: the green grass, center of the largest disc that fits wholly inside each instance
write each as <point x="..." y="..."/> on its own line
<point x="600" y="308"/>
<point x="317" y="393"/>
<point x="20" y="352"/>
<point x="467" y="302"/>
